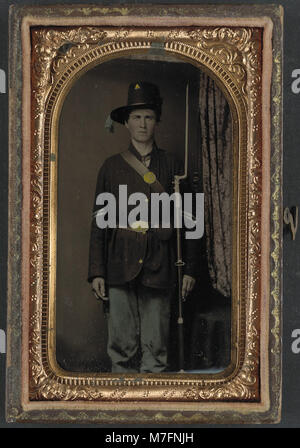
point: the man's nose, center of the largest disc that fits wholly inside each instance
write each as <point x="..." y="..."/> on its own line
<point x="143" y="122"/>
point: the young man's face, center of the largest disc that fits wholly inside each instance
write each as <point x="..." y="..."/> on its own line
<point x="141" y="125"/>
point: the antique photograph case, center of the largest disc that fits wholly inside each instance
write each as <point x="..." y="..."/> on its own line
<point x="219" y="78"/>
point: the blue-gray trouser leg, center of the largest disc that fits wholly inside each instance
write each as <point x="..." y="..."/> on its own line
<point x="139" y="317"/>
<point x="154" y="310"/>
<point x="123" y="329"/>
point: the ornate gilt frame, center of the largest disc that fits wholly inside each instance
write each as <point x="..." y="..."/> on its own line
<point x="236" y="49"/>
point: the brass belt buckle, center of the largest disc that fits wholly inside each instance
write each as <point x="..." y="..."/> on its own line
<point x="139" y="226"/>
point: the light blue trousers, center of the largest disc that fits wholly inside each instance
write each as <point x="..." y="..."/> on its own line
<point x="138" y="328"/>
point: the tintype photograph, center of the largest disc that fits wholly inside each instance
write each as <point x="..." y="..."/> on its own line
<point x="147" y="145"/>
<point x="93" y="132"/>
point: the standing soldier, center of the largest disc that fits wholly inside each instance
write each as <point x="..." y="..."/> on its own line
<point x="134" y="271"/>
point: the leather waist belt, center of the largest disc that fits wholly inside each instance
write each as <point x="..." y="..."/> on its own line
<point x="130" y="229"/>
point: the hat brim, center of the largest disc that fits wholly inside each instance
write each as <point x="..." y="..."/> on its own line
<point x="119" y="115"/>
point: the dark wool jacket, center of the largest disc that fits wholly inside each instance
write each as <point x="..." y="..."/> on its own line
<point x="120" y="255"/>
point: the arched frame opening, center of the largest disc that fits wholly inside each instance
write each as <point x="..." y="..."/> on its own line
<point x="237" y="74"/>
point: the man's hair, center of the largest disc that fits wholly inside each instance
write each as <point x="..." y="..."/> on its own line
<point x="156" y="110"/>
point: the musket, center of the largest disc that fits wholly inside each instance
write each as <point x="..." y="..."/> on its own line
<point x="180" y="263"/>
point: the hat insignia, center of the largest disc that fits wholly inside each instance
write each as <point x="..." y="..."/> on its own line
<point x="136" y="87"/>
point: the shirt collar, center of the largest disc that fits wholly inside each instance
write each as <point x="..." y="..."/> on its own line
<point x="138" y="155"/>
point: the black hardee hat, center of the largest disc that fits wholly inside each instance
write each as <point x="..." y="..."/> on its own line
<point x="141" y="95"/>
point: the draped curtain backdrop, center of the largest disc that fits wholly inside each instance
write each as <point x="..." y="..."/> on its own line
<point x="216" y="140"/>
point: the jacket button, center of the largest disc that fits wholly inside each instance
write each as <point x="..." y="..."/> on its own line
<point x="140" y="261"/>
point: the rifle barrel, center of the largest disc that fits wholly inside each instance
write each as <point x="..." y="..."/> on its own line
<point x="179" y="262"/>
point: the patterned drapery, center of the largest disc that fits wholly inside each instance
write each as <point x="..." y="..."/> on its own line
<point x="216" y="140"/>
